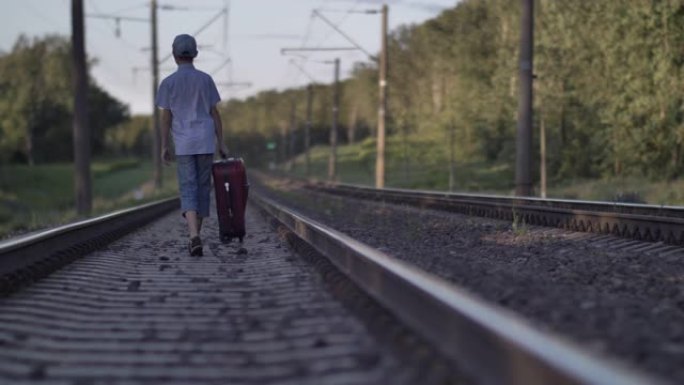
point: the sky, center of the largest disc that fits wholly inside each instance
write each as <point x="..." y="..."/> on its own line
<point x="242" y="50"/>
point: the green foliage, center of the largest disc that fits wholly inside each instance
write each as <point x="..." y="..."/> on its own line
<point x="519" y="227"/>
<point x="609" y="76"/>
<point x="130" y="138"/>
<point x="42" y="195"/>
<point x="36" y="103"/>
<point x="419" y="164"/>
<point x="607" y="90"/>
<point x="250" y="146"/>
<point x="103" y="168"/>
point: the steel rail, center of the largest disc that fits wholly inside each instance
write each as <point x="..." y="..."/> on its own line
<point x="642" y="222"/>
<point x="491" y="344"/>
<point x="26" y="258"/>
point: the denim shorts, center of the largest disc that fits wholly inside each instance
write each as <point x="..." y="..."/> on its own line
<point x="194" y="182"/>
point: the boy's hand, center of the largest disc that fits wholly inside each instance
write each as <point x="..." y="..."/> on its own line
<point x="166" y="156"/>
<point x="223" y="150"/>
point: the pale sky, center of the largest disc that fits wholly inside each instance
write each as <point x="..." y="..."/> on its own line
<point x="257" y="30"/>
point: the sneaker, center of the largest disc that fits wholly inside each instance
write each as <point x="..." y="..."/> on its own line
<point x="195" y="247"/>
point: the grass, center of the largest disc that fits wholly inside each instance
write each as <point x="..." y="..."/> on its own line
<point x="33" y="197"/>
<point x="424" y="166"/>
<point x="356" y="164"/>
<point x="41" y="196"/>
<point x="518" y="226"/>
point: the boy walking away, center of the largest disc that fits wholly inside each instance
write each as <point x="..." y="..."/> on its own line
<point x="187" y="99"/>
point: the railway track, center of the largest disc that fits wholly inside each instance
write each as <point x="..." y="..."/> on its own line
<point x="494" y="346"/>
<point x="641" y="222"/>
<point x="26" y="259"/>
<point x="618" y="296"/>
<point x="139" y="311"/>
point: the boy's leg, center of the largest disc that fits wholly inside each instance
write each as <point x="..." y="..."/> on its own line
<point x="204" y="163"/>
<point x="188" y="186"/>
<point x="193" y="223"/>
<point x="195" y="245"/>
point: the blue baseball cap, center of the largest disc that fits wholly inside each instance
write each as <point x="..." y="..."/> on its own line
<point x="184" y="46"/>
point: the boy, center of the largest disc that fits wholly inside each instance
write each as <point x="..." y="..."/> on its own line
<point x="188" y="100"/>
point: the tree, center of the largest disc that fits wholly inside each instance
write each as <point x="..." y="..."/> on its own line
<point x="36" y="105"/>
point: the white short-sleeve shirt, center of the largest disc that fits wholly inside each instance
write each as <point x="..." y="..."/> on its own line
<point x="190" y="94"/>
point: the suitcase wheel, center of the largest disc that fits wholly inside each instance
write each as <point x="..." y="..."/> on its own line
<point x="240" y="239"/>
<point x="225" y="238"/>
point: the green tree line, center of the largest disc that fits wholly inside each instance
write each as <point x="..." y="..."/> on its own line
<point x="36" y="106"/>
<point x="608" y="88"/>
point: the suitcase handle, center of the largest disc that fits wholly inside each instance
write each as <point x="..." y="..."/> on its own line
<point x="226" y="157"/>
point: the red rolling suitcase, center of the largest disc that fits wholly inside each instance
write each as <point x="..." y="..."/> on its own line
<point x="231" y="188"/>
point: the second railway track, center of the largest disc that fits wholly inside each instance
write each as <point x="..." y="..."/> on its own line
<point x="641" y="222"/>
<point x="618" y="296"/>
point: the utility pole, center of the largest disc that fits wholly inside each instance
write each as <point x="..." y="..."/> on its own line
<point x="156" y="132"/>
<point x="523" y="164"/>
<point x="382" y="109"/>
<point x="283" y="144"/>
<point x="307" y="125"/>
<point x="290" y="141"/>
<point x="452" y="157"/>
<point x="307" y="128"/>
<point x="542" y="166"/>
<point x="332" y="160"/>
<point x="82" y="185"/>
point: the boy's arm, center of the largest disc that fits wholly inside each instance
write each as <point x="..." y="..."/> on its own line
<point x="218" y="128"/>
<point x="165" y="123"/>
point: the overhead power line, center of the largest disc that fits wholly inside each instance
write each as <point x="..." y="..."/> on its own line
<point x="116" y="17"/>
<point x="302" y="70"/>
<point x="240" y="85"/>
<point x="217" y="69"/>
<point x="365" y="11"/>
<point x="223" y="12"/>
<point x="336" y="28"/>
<point x="300" y="49"/>
<point x="132" y="8"/>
